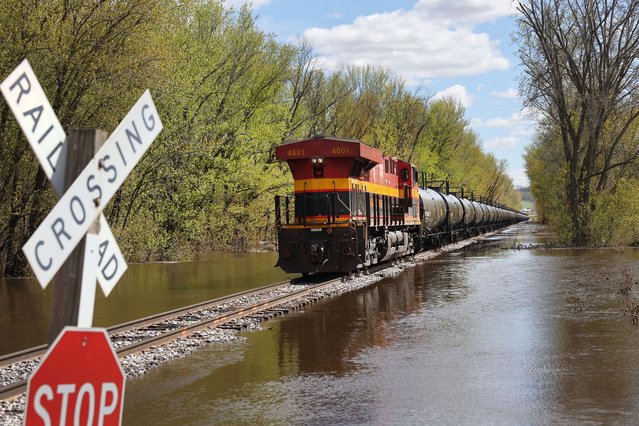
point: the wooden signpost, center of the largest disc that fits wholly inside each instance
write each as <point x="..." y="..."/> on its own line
<point x="86" y="172"/>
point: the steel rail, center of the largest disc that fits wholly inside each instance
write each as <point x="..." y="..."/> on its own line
<point x="221" y="319"/>
<point x="152" y="319"/>
<point x="26" y="354"/>
<point x="19" y="387"/>
<point x="16" y="388"/>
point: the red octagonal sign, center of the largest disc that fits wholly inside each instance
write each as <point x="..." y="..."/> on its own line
<point x="79" y="382"/>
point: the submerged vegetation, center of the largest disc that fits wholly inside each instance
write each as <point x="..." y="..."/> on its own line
<point x="228" y="94"/>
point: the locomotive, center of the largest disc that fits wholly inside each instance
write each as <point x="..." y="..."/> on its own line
<point x="353" y="206"/>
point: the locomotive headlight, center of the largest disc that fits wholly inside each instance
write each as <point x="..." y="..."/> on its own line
<point x="320" y="160"/>
<point x="314" y="160"/>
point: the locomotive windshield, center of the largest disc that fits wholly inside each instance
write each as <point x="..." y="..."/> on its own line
<point x="326" y="207"/>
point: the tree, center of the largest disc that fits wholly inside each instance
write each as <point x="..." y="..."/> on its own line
<point x="581" y="70"/>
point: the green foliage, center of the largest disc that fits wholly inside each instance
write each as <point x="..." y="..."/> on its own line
<point x="228" y="94"/>
<point x="582" y="80"/>
<point x="612" y="211"/>
<point x="93" y="60"/>
<point x="547" y="184"/>
<point x="615" y="220"/>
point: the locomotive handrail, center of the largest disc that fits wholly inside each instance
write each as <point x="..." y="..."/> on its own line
<point x="336" y="199"/>
<point x="304" y="206"/>
<point x="279" y="199"/>
<point x="330" y="208"/>
<point x="331" y="199"/>
<point x="350" y="212"/>
<point x="288" y="213"/>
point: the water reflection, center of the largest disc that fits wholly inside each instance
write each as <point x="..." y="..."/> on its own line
<point x="486" y="336"/>
<point x="145" y="289"/>
<point x="256" y="385"/>
<point x="329" y="335"/>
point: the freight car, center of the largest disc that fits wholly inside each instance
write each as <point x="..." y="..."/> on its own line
<point x="354" y="206"/>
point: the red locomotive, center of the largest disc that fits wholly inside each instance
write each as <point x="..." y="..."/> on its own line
<point x="353" y="207"/>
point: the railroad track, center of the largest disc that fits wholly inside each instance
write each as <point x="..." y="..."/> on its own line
<point x="164" y="332"/>
<point x="142" y="322"/>
<point x="167" y="326"/>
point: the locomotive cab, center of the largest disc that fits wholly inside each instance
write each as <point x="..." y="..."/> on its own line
<point x="325" y="172"/>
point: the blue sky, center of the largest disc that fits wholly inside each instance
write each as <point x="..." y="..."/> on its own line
<point x="458" y="48"/>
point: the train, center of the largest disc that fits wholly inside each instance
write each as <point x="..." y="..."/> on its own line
<point x="354" y="206"/>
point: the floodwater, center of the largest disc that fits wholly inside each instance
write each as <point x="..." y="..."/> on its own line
<point x="480" y="336"/>
<point x="145" y="289"/>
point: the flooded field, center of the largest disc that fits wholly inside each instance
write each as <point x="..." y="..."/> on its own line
<point x="145" y="289"/>
<point x="484" y="335"/>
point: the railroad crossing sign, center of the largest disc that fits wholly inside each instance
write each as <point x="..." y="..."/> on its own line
<point x="45" y="134"/>
<point x="80" y="206"/>
<point x="79" y="381"/>
<point x="62" y="230"/>
<point x="80" y="377"/>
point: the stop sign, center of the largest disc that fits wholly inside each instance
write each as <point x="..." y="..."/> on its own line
<point x="79" y="382"/>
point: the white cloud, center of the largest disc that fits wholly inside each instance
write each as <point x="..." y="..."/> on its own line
<point x="471" y="11"/>
<point x="509" y="133"/>
<point x="253" y="3"/>
<point x="502" y="142"/>
<point x="436" y="38"/>
<point x="507" y="94"/>
<point x="519" y="176"/>
<point x="457" y="92"/>
<point x="495" y="122"/>
<point x="521" y="121"/>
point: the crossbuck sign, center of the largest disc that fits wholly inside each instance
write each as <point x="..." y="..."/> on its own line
<point x="47" y="138"/>
<point x="83" y="202"/>
<point x="70" y="219"/>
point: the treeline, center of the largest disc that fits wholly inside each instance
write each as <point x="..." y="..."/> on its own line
<point x="581" y="75"/>
<point x="525" y="194"/>
<point x="228" y="94"/>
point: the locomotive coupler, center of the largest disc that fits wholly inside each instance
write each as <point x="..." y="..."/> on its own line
<point x="317" y="253"/>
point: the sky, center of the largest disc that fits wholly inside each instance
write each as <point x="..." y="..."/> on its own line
<point x="458" y="48"/>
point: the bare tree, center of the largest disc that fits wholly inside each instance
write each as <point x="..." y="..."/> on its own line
<point x="580" y="73"/>
<point x="312" y="95"/>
